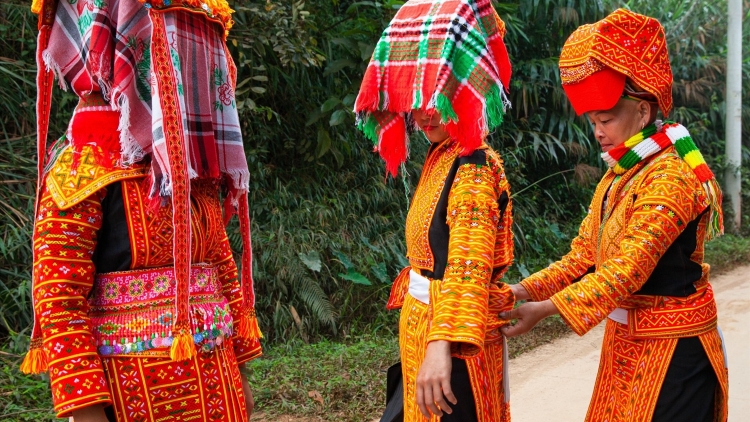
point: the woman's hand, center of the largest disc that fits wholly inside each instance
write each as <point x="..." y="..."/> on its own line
<point x="94" y="413"/>
<point x="520" y="292"/>
<point x="248" y="392"/>
<point x="434" y="380"/>
<point x="528" y="315"/>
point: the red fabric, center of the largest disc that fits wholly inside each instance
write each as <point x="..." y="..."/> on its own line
<point x="97" y="128"/>
<point x="64" y="275"/>
<point x="630" y="43"/>
<point x="598" y="92"/>
<point x="207" y="387"/>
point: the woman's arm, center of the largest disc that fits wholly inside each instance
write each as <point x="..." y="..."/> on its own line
<point x="667" y="201"/>
<point x="460" y="300"/>
<point x="557" y="276"/>
<point x="63" y="277"/>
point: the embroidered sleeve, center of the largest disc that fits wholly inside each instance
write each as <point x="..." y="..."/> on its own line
<point x="63" y="277"/>
<point x="557" y="276"/>
<point x="245" y="349"/>
<point x="666" y="202"/>
<point x="461" y="298"/>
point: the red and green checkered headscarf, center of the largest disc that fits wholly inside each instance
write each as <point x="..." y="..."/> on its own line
<point x="441" y="55"/>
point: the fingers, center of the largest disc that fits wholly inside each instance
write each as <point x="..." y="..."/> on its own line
<point x="510" y="331"/>
<point x="440" y="405"/>
<point x="448" y="393"/>
<point x="421" y="400"/>
<point x="507" y="315"/>
<point x="431" y="397"/>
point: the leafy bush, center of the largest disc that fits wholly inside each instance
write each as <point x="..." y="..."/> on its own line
<point x="327" y="223"/>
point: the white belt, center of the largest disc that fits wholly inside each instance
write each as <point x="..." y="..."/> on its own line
<point x="619" y="315"/>
<point x="419" y="287"/>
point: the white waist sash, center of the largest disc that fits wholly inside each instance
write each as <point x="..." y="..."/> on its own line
<point x="619" y="315"/>
<point x="419" y="287"/>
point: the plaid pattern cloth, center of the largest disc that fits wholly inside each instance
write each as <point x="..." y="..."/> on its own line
<point x="169" y="76"/>
<point x="106" y="47"/>
<point x="441" y="55"/>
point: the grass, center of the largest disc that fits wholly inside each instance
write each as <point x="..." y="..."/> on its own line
<point x="23" y="398"/>
<point x="329" y="381"/>
<point x="727" y="252"/>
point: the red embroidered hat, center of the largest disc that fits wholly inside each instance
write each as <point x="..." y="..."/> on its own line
<point x="597" y="58"/>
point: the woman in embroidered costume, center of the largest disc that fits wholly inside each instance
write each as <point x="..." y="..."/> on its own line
<point x="638" y="258"/>
<point x="140" y="312"/>
<point x="442" y="66"/>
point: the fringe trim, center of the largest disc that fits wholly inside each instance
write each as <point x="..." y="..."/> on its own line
<point x="36" y="360"/>
<point x="36" y="6"/>
<point x="52" y="66"/>
<point x="716" y="214"/>
<point x="240" y="180"/>
<point x="182" y="347"/>
<point x="130" y="151"/>
<point x="247" y="326"/>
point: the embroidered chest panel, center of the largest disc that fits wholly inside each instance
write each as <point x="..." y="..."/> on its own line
<point x="71" y="179"/>
<point x="621" y="194"/>
<point x="426" y="197"/>
<point x="151" y="230"/>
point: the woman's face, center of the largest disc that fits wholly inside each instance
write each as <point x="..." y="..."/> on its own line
<point x="433" y="129"/>
<point x="615" y="126"/>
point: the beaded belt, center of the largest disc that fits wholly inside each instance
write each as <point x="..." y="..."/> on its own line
<point x="132" y="311"/>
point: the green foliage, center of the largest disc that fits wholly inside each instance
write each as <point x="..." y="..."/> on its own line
<point x="327" y="224"/>
<point x="341" y="382"/>
<point x="727" y="252"/>
<point x="24" y="398"/>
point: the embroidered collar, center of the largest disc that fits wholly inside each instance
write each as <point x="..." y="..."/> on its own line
<point x="656" y="138"/>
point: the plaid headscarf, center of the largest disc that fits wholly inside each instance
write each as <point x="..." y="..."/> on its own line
<point x="445" y="56"/>
<point x="113" y="54"/>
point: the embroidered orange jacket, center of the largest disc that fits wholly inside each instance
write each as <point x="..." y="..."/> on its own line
<point x="642" y="240"/>
<point x="68" y="229"/>
<point x="458" y="234"/>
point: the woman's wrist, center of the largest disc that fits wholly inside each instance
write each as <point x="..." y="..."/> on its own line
<point x="549" y="308"/>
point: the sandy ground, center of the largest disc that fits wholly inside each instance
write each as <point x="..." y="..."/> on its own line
<point x="555" y="381"/>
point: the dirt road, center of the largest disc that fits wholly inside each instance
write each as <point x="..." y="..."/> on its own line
<point x="555" y="381"/>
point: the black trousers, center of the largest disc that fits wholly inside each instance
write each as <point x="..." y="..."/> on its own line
<point x="689" y="390"/>
<point x="463" y="411"/>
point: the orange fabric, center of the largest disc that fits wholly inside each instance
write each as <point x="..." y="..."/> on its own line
<point x="65" y="239"/>
<point x="627" y="365"/>
<point x="461" y="306"/>
<point x="465" y="304"/>
<point x="630" y="365"/>
<point x="647" y="208"/>
<point x="485" y="368"/>
<point x="632" y="44"/>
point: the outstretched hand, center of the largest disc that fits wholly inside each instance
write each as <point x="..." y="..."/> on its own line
<point x="520" y="292"/>
<point x="528" y="315"/>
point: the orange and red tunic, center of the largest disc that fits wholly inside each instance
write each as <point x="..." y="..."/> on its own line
<point x="458" y="236"/>
<point x="104" y="295"/>
<point x="639" y="252"/>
